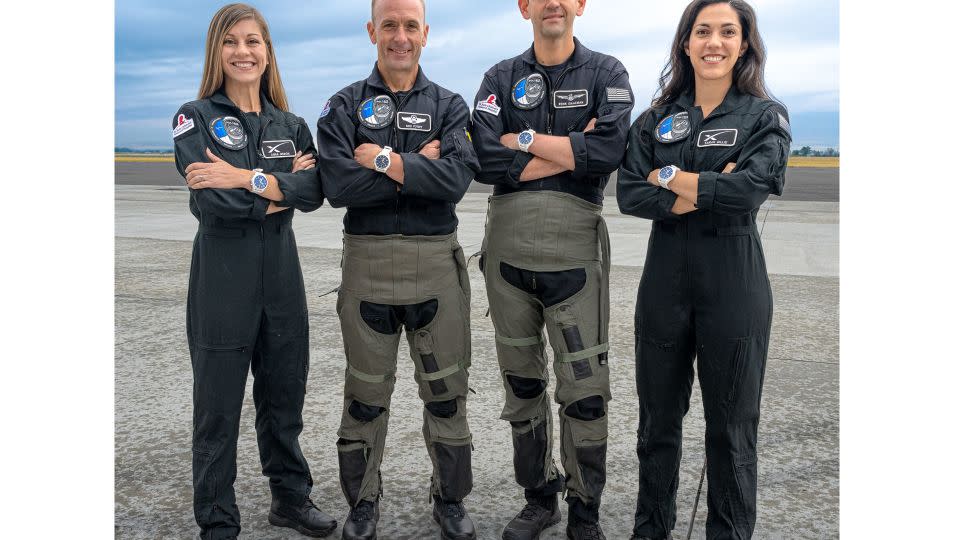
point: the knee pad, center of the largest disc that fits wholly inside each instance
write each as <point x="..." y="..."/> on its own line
<point x="526" y="388"/>
<point x="589" y="408"/>
<point x="443" y="409"/>
<point x="364" y="412"/>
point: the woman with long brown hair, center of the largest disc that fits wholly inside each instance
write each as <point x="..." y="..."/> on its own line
<point x="699" y="163"/>
<point x="248" y="162"/>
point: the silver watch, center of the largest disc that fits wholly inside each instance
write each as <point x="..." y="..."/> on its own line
<point x="258" y="182"/>
<point x="382" y="162"/>
<point x="525" y="139"/>
<point x="666" y="175"/>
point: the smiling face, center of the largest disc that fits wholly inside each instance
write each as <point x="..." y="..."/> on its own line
<point x="716" y="42"/>
<point x="552" y="19"/>
<point x="399" y="31"/>
<point x="244" y="53"/>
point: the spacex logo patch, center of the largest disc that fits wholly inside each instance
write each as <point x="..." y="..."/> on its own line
<point x="278" y="149"/>
<point x="411" y="121"/>
<point x="717" y="137"/>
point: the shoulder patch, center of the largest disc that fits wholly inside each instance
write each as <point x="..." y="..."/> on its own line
<point x="326" y="109"/>
<point x="489" y="106"/>
<point x="618" y="95"/>
<point x="184" y="124"/>
<point x="784" y="124"/>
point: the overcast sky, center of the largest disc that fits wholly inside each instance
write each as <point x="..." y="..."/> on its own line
<point x="322" y="46"/>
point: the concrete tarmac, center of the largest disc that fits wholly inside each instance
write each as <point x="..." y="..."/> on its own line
<point x="803" y="183"/>
<point x="798" y="444"/>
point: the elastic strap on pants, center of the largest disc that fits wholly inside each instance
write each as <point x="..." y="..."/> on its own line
<point x="519" y="342"/>
<point x="366" y="377"/>
<point x="446" y="372"/>
<point x="586" y="353"/>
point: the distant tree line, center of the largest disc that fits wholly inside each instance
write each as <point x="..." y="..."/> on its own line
<point x="806" y="151"/>
<point x="124" y="150"/>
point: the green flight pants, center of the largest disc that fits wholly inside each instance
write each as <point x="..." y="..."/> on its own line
<point x="420" y="284"/>
<point x="546" y="263"/>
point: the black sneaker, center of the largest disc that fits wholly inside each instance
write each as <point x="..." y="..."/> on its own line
<point x="454" y="522"/>
<point x="305" y="519"/>
<point x="581" y="530"/>
<point x="362" y="521"/>
<point x="531" y="521"/>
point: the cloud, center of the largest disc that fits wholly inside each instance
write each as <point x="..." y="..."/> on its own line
<point x="322" y="46"/>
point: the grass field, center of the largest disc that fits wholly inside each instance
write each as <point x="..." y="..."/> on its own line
<point x="825" y="162"/>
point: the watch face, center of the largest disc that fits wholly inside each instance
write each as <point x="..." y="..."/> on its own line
<point x="260" y="181"/>
<point x="526" y="138"/>
<point x="382" y="162"/>
<point x="666" y="172"/>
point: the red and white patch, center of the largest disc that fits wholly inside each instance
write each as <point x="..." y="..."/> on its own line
<point x="489" y="106"/>
<point x="184" y="125"/>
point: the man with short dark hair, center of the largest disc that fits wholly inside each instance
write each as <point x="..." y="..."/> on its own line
<point x="396" y="151"/>
<point x="550" y="126"/>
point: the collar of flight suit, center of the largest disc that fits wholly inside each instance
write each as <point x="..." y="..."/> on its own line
<point x="731" y="102"/>
<point x="266" y="107"/>
<point x="581" y="55"/>
<point x="376" y="80"/>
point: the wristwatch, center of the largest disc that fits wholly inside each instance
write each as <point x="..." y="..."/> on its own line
<point x="258" y="182"/>
<point x="382" y="162"/>
<point x="525" y="139"/>
<point x="667" y="174"/>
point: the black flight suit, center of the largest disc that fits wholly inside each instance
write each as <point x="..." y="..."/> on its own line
<point x="246" y="307"/>
<point x="402" y="267"/>
<point x="524" y="299"/>
<point x="704" y="293"/>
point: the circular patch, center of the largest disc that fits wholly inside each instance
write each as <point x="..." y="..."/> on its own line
<point x="229" y="133"/>
<point x="673" y="128"/>
<point x="377" y="112"/>
<point x="529" y="91"/>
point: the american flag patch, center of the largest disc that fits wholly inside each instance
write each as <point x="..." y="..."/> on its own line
<point x="618" y="95"/>
<point x="784" y="125"/>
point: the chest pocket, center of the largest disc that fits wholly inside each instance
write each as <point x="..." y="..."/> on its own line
<point x="715" y="146"/>
<point x="573" y="109"/>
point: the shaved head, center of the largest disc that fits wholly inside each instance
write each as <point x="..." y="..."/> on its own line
<point x="373" y="8"/>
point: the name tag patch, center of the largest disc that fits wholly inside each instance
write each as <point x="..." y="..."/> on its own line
<point x="411" y="121"/>
<point x="570" y="99"/>
<point x="278" y="149"/>
<point x="717" y="137"/>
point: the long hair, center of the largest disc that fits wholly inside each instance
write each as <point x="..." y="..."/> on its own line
<point x="221" y="23"/>
<point x="677" y="77"/>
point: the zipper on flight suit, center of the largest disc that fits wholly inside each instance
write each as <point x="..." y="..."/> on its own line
<point x="396" y="145"/>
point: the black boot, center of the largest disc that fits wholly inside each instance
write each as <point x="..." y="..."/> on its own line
<point x="454" y="522"/>
<point x="582" y="530"/>
<point x="305" y="518"/>
<point x="536" y="516"/>
<point x="362" y="521"/>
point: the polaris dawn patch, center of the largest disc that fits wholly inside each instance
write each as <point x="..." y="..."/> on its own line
<point x="571" y="99"/>
<point x="278" y="149"/>
<point x="673" y="128"/>
<point x="376" y="112"/>
<point x="411" y="121"/>
<point x="717" y="137"/>
<point x="229" y="133"/>
<point x="529" y="91"/>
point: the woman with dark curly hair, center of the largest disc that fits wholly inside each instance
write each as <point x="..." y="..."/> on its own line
<point x="699" y="164"/>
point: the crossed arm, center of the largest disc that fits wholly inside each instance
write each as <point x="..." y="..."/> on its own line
<point x="218" y="174"/>
<point x="552" y="154"/>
